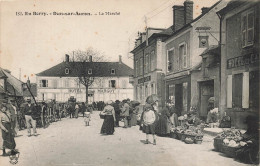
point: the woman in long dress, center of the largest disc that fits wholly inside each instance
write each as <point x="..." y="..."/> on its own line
<point x="109" y="119"/>
<point x="7" y="131"/>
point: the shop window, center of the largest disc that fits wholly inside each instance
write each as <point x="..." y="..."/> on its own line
<point x="170" y="60"/>
<point x="254" y="90"/>
<point x="183" y="55"/>
<point x="237" y="86"/>
<point x="43" y="83"/>
<point x="247" y="28"/>
<point x="112" y="83"/>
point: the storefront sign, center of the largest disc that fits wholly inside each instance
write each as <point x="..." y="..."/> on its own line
<point x="75" y="91"/>
<point x="106" y="91"/>
<point x="145" y="79"/>
<point x="242" y="61"/>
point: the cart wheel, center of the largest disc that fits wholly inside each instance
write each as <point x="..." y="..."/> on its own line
<point x="253" y="156"/>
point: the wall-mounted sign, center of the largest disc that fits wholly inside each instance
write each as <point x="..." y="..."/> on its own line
<point x="75" y="91"/>
<point x="106" y="90"/>
<point x="203" y="41"/>
<point x="242" y="60"/>
<point x="145" y="79"/>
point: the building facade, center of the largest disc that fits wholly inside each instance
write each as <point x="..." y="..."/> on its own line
<point x="148" y="65"/>
<point x="240" y="49"/>
<point x="111" y="82"/>
<point x="191" y="37"/>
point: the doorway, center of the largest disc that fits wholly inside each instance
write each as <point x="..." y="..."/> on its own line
<point x="206" y="91"/>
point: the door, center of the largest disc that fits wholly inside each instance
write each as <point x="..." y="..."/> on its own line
<point x="206" y="91"/>
<point x="178" y="98"/>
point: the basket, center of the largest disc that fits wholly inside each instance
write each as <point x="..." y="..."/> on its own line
<point x="218" y="144"/>
<point x="183" y="137"/>
<point x="173" y="135"/>
<point x="230" y="151"/>
<point x="178" y="135"/>
<point x="197" y="141"/>
<point x="102" y="116"/>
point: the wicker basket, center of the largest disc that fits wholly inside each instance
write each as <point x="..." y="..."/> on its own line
<point x="173" y="135"/>
<point x="218" y="144"/>
<point x="230" y="151"/>
<point x="197" y="141"/>
<point x="179" y="135"/>
<point x="183" y="136"/>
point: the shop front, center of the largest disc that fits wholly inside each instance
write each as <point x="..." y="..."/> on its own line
<point x="178" y="90"/>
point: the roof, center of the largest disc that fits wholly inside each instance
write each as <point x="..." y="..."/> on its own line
<point x="212" y="50"/>
<point x="99" y="69"/>
<point x="13" y="84"/>
<point x="234" y="4"/>
<point x="2" y="74"/>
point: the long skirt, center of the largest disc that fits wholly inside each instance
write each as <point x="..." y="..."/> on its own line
<point x="133" y="120"/>
<point x="108" y="125"/>
<point x="8" y="137"/>
<point x="162" y="126"/>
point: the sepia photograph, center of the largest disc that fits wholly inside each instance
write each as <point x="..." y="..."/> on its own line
<point x="129" y="82"/>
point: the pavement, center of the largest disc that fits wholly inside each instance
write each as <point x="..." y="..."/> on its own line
<point x="70" y="142"/>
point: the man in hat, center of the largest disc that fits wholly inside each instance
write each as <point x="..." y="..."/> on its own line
<point x="125" y="113"/>
<point x="29" y="110"/>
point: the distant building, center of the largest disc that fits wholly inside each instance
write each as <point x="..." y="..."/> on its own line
<point x="240" y="60"/>
<point x="60" y="82"/>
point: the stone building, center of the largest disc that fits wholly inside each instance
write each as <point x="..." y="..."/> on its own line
<point x="60" y="82"/>
<point x="240" y="49"/>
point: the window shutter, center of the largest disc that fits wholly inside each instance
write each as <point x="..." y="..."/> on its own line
<point x="245" y="90"/>
<point x="229" y="91"/>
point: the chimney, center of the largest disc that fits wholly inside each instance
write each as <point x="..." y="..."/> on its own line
<point x="120" y="58"/>
<point x="178" y="17"/>
<point x="188" y="11"/>
<point x="90" y="58"/>
<point x="204" y="10"/>
<point x="67" y="58"/>
<point x="143" y="37"/>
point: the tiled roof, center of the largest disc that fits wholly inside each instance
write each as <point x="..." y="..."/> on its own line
<point x="33" y="88"/>
<point x="99" y="69"/>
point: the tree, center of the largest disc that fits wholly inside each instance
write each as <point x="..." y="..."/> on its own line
<point x="83" y="67"/>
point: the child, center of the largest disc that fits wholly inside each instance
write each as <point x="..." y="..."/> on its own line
<point x="149" y="117"/>
<point x="87" y="118"/>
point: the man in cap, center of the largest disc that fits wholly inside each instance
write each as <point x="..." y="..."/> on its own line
<point x="29" y="110"/>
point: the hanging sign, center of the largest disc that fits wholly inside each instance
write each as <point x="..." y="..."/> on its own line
<point x="203" y="41"/>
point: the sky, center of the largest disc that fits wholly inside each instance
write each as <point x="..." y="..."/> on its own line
<point x="30" y="44"/>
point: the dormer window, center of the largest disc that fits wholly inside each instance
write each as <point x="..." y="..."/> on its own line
<point x="113" y="71"/>
<point x="89" y="71"/>
<point x="67" y="71"/>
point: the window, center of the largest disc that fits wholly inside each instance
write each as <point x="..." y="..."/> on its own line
<point x="237" y="86"/>
<point x="152" y="61"/>
<point x="123" y="84"/>
<point x="136" y="68"/>
<point x="112" y="83"/>
<point x="89" y="71"/>
<point x="247" y="28"/>
<point x="170" y="60"/>
<point x="147" y="63"/>
<point x="66" y="83"/>
<point x="43" y="83"/>
<point x="113" y="71"/>
<point x="183" y="55"/>
<point x="67" y="71"/>
<point x="141" y="66"/>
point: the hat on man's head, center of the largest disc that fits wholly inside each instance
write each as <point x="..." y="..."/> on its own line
<point x="109" y="102"/>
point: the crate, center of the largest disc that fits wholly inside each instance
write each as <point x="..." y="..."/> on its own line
<point x="218" y="144"/>
<point x="230" y="151"/>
